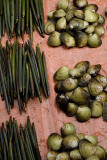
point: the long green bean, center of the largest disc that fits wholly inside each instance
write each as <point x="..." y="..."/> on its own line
<point x="31" y="27"/>
<point x="22" y="145"/>
<point x="4" y="90"/>
<point x="1" y="13"/>
<point x="19" y="17"/>
<point x="35" y="79"/>
<point x="16" y="11"/>
<point x="5" y="16"/>
<point x="23" y="19"/>
<point x="12" y="17"/>
<point x="22" y="74"/>
<point x="11" y="149"/>
<point x="20" y="68"/>
<point x="27" y="15"/>
<point x="41" y="74"/>
<point x="13" y="66"/>
<point x="0" y="27"/>
<point x="27" y="83"/>
<point x="45" y="72"/>
<point x="8" y="12"/>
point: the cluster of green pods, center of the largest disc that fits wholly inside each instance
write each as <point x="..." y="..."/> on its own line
<point x="20" y="16"/>
<point x="74" y="146"/>
<point x="75" y="25"/>
<point x="81" y="91"/>
<point x="17" y="143"/>
<point x="22" y="73"/>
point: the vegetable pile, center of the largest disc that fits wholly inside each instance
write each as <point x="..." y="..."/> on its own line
<point x="70" y="145"/>
<point x="21" y="74"/>
<point x="75" y="25"/>
<point x="18" y="16"/>
<point x="81" y="91"/>
<point x="18" y="143"/>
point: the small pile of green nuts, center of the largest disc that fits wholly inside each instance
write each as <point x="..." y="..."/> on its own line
<point x="70" y="145"/>
<point x="75" y="25"/>
<point x="81" y="91"/>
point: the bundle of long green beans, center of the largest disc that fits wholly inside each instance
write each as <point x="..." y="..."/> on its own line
<point x="18" y="16"/>
<point x="18" y="143"/>
<point x="22" y="72"/>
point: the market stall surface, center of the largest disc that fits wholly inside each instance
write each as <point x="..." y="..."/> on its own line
<point x="48" y="118"/>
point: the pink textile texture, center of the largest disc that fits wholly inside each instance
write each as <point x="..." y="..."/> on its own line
<point x="47" y="116"/>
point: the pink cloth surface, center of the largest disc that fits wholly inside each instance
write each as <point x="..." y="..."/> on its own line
<point x="48" y="118"/>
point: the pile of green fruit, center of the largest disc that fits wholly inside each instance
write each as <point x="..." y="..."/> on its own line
<point x="74" y="146"/>
<point x="81" y="91"/>
<point x="75" y="25"/>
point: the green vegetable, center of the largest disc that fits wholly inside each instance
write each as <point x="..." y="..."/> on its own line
<point x="99" y="30"/>
<point x="94" y="41"/>
<point x="92" y="157"/>
<point x="49" y="27"/>
<point x="68" y="129"/>
<point x="91" y="7"/>
<point x="80" y="136"/>
<point x="59" y="13"/>
<point x="54" y="141"/>
<point x="96" y="109"/>
<point x="81" y="39"/>
<point x="62" y="73"/>
<point x="90" y="29"/>
<point x="75" y="155"/>
<point x="81" y="3"/>
<point x="70" y="142"/>
<point x="83" y="113"/>
<point x="83" y="66"/>
<point x="86" y="148"/>
<point x="54" y="39"/>
<point x="67" y="40"/>
<point x="69" y="15"/>
<point x="52" y="155"/>
<point x="69" y="84"/>
<point x="93" y="70"/>
<point x="100" y="152"/>
<point x="95" y="87"/>
<point x="91" y="16"/>
<point x="93" y="139"/>
<point x="62" y="4"/>
<point x="63" y="156"/>
<point x="79" y="14"/>
<point x="80" y="96"/>
<point x="75" y="73"/>
<point x="61" y="24"/>
<point x="71" y="109"/>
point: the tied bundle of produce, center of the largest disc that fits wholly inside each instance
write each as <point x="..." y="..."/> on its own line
<point x="20" y="16"/>
<point x="18" y="142"/>
<point x="22" y="72"/>
<point x="74" y="146"/>
<point x="81" y="91"/>
<point x="75" y="25"/>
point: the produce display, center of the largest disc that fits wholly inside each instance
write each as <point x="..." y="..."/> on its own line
<point x="18" y="142"/>
<point x="18" y="16"/>
<point x="81" y="91"/>
<point x="21" y="74"/>
<point x="74" y="146"/>
<point x="75" y="25"/>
